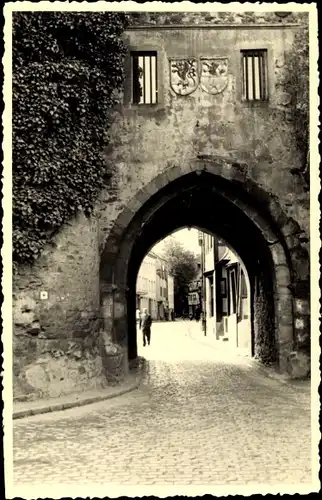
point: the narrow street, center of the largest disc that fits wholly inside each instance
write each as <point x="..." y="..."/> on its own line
<point x="198" y="417"/>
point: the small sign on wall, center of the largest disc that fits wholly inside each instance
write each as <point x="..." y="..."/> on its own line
<point x="118" y="310"/>
<point x="43" y="295"/>
<point x="108" y="306"/>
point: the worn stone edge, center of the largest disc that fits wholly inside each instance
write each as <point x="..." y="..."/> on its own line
<point x="80" y="402"/>
<point x="267" y="371"/>
<point x="270" y="372"/>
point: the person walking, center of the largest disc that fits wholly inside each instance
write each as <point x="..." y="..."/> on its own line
<point x="146" y="322"/>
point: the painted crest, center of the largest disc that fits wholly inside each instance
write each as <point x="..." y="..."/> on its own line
<point x="214" y="74"/>
<point x="183" y="76"/>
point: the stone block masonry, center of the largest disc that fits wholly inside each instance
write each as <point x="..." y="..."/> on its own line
<point x="56" y="316"/>
<point x="250" y="152"/>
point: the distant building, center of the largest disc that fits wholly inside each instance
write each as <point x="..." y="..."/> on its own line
<point x="194" y="297"/>
<point x="146" y="285"/>
<point x="155" y="287"/>
<point x="171" y="292"/>
<point x="162" y="289"/>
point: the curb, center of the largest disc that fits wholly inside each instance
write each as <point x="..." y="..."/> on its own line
<point x="81" y="402"/>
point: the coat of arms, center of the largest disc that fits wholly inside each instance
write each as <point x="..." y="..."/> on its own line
<point x="214" y="74"/>
<point x="183" y="76"/>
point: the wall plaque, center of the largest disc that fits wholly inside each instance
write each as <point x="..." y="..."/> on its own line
<point x="183" y="76"/>
<point x="213" y="74"/>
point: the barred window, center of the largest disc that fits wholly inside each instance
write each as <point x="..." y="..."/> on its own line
<point x="144" y="77"/>
<point x="255" y="82"/>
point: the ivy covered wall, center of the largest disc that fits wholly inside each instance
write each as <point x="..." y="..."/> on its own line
<point x="67" y="76"/>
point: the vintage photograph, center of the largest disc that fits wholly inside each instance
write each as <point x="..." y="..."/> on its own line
<point x="164" y="169"/>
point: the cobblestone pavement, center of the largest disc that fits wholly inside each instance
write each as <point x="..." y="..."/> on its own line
<point x="199" y="417"/>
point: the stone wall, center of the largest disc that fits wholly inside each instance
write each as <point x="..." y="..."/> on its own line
<point x="265" y="348"/>
<point x="56" y="316"/>
<point x="57" y="341"/>
<point x="214" y="18"/>
<point x="145" y="141"/>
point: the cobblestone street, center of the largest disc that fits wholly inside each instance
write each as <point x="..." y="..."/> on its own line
<point x="199" y="417"/>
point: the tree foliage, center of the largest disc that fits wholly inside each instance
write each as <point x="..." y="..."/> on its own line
<point x="296" y="83"/>
<point x="67" y="74"/>
<point x="183" y="265"/>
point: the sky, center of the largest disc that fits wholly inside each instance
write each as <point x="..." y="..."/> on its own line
<point x="188" y="238"/>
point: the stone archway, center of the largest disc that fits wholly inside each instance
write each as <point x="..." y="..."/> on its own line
<point x="236" y="209"/>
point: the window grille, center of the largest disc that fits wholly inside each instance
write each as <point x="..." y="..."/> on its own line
<point x="255" y="81"/>
<point x="144" y="73"/>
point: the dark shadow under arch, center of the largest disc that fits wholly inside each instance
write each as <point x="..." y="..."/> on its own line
<point x="199" y="205"/>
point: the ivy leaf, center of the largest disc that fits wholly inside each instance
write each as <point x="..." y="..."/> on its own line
<point x="67" y="70"/>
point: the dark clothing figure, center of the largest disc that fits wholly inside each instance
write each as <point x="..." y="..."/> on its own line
<point x="146" y="322"/>
<point x="198" y="314"/>
<point x="146" y="336"/>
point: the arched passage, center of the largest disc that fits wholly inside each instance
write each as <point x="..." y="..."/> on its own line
<point x="226" y="322"/>
<point x="218" y="197"/>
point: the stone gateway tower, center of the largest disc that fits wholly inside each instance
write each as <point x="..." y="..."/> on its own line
<point x="204" y="138"/>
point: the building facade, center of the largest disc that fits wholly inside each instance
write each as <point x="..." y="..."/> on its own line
<point x="155" y="287"/>
<point x="146" y="285"/>
<point x="162" y="290"/>
<point x="226" y="298"/>
<point x="209" y="143"/>
<point x="195" y="294"/>
<point x="171" y="295"/>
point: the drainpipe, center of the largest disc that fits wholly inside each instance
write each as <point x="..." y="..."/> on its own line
<point x="203" y="288"/>
<point x="215" y="260"/>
